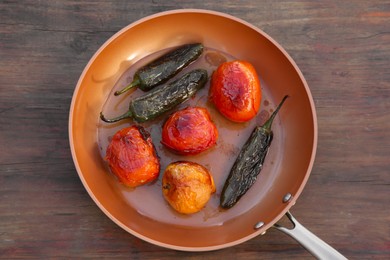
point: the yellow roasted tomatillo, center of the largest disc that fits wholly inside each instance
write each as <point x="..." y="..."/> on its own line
<point x="187" y="186"/>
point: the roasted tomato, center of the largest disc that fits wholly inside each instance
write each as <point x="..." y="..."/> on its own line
<point x="189" y="131"/>
<point x="187" y="186"/>
<point x="132" y="156"/>
<point x="235" y="90"/>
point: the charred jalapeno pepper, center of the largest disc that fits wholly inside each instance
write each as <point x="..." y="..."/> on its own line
<point x="249" y="163"/>
<point x="164" y="68"/>
<point x="162" y="99"/>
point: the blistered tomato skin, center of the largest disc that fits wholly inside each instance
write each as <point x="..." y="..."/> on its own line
<point x="235" y="90"/>
<point x="187" y="186"/>
<point x="132" y="157"/>
<point x="189" y="131"/>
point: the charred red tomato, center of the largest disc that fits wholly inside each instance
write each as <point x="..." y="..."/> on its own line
<point x="189" y="131"/>
<point x="235" y="90"/>
<point x="132" y="156"/>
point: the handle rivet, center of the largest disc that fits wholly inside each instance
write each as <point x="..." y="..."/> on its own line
<point x="259" y="224"/>
<point x="287" y="197"/>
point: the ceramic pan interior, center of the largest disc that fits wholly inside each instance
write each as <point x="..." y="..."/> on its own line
<point x="293" y="152"/>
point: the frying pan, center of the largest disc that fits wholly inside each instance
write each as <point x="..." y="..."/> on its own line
<point x="142" y="211"/>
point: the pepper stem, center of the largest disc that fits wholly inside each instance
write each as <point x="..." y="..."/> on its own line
<point x="267" y="125"/>
<point x="134" y="83"/>
<point x="128" y="114"/>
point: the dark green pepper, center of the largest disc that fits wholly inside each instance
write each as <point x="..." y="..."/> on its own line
<point x="164" y="68"/>
<point x="249" y="163"/>
<point x="163" y="99"/>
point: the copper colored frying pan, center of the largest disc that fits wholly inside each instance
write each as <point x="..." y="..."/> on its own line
<point x="142" y="211"/>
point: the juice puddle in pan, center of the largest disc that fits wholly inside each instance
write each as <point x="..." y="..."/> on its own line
<point x="148" y="199"/>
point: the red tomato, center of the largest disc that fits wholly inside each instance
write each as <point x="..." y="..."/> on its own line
<point x="132" y="156"/>
<point x="235" y="90"/>
<point x="189" y="131"/>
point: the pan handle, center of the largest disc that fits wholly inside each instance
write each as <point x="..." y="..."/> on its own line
<point x="308" y="240"/>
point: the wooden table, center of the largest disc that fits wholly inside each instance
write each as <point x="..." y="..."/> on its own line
<point x="343" y="50"/>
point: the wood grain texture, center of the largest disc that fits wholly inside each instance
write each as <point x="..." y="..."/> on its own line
<point x="343" y="50"/>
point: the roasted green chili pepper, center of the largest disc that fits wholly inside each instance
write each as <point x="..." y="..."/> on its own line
<point x="249" y="163"/>
<point x="164" y="68"/>
<point x="162" y="99"/>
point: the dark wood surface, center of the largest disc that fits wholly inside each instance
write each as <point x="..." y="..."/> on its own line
<point x="343" y="50"/>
